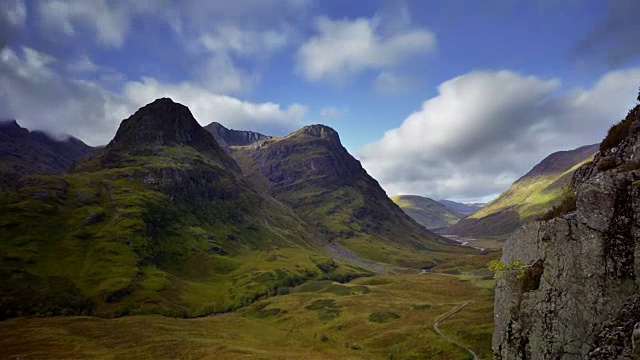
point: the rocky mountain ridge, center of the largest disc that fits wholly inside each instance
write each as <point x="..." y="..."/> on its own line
<point x="577" y="294"/>
<point x="24" y="152"/>
<point x="229" y="137"/>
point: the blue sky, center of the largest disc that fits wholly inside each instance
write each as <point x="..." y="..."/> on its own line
<point x="447" y="99"/>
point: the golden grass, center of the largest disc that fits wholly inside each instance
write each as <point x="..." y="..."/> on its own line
<point x="283" y="327"/>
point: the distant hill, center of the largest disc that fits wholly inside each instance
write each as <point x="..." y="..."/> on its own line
<point x="228" y="137"/>
<point x="313" y="173"/>
<point x="460" y="208"/>
<point x="427" y="212"/>
<point x="528" y="198"/>
<point x="24" y="152"/>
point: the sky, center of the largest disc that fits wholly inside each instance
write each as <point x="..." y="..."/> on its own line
<point x="450" y="99"/>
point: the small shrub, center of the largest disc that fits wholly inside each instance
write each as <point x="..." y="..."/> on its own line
<point x="606" y="163"/>
<point x="355" y="346"/>
<point x="630" y="166"/>
<point x="616" y="134"/>
<point x="501" y="269"/>
<point x="324" y="338"/>
<point x="383" y="316"/>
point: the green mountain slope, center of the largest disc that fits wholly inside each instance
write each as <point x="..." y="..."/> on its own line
<point x="528" y="198"/>
<point x="427" y="212"/>
<point x="310" y="171"/>
<point x="159" y="221"/>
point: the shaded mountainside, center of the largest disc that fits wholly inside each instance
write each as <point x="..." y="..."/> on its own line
<point x="427" y="212"/>
<point x="577" y="295"/>
<point x="528" y="198"/>
<point x="159" y="221"/>
<point x="228" y="137"/>
<point x="24" y="152"/>
<point x="313" y="173"/>
<point x="460" y="208"/>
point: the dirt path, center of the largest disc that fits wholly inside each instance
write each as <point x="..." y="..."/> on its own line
<point x="451" y="340"/>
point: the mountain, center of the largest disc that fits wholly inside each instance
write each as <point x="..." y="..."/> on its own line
<point x="572" y="292"/>
<point x="228" y="137"/>
<point x="460" y="208"/>
<point x="24" y="152"/>
<point x="527" y="198"/>
<point x="159" y="221"/>
<point x="313" y="173"/>
<point x="427" y="212"/>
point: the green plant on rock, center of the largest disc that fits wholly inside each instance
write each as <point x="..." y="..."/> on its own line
<point x="500" y="269"/>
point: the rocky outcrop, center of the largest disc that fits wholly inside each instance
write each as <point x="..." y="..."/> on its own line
<point x="580" y="300"/>
<point x="229" y="137"/>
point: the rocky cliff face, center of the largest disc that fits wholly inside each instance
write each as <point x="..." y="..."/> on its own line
<point x="577" y="296"/>
<point x="229" y="137"/>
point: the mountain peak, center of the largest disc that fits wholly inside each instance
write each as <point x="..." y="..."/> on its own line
<point x="163" y="122"/>
<point x="11" y="128"/>
<point x="320" y="131"/>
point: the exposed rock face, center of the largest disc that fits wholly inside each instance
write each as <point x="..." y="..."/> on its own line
<point x="584" y="302"/>
<point x="229" y="137"/>
<point x="24" y="152"/>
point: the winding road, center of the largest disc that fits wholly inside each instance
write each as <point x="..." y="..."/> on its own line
<point x="451" y="340"/>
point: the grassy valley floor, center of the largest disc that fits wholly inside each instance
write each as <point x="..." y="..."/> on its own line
<point x="379" y="317"/>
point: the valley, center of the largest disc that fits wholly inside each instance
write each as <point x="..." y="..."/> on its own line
<point x="182" y="241"/>
<point x="378" y="317"/>
<point x="163" y="245"/>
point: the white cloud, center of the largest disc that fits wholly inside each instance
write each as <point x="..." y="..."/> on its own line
<point x="83" y="65"/>
<point x="15" y="12"/>
<point x="227" y="43"/>
<point x="268" y="118"/>
<point x="343" y="48"/>
<point x="487" y="128"/>
<point x="13" y="15"/>
<point x="111" y="21"/>
<point x="39" y="98"/>
<point x="332" y="113"/>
